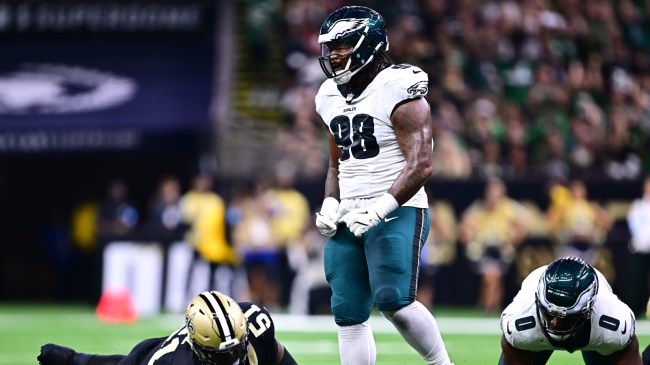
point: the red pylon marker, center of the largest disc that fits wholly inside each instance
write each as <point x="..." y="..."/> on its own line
<point x="116" y="306"/>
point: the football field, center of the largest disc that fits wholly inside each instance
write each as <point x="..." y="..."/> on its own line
<point x="471" y="338"/>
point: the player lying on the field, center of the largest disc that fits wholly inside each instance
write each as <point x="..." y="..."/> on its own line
<point x="568" y="306"/>
<point x="217" y="331"/>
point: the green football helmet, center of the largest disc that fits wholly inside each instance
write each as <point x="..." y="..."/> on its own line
<point x="362" y="29"/>
<point x="565" y="295"/>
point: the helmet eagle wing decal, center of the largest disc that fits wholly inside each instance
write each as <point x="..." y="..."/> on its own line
<point x="342" y="28"/>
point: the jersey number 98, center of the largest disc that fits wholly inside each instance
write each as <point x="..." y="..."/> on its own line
<point x="356" y="136"/>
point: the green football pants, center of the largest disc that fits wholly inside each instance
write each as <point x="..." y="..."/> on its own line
<point x="379" y="267"/>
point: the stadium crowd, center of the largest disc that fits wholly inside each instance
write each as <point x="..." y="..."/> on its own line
<point x="554" y="91"/>
<point x="519" y="89"/>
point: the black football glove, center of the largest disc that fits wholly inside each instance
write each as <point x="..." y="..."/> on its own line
<point x="52" y="354"/>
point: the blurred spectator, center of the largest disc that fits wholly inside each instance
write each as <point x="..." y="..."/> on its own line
<point x="84" y="222"/>
<point x="489" y="163"/>
<point x="547" y="96"/>
<point x="87" y="265"/>
<point x="581" y="79"/>
<point x="310" y="292"/>
<point x="587" y="137"/>
<point x="257" y="25"/>
<point x="516" y="124"/>
<point x="118" y="218"/>
<point x="56" y="242"/>
<point x="555" y="165"/>
<point x="214" y="261"/>
<point x="439" y="250"/>
<point x="289" y="216"/>
<point x="308" y="156"/>
<point x="484" y="124"/>
<point x="164" y="221"/>
<point x="451" y="160"/>
<point x="516" y="165"/>
<point x="634" y="25"/>
<point x="253" y="237"/>
<point x="447" y="118"/>
<point x="621" y="160"/>
<point x="491" y="229"/>
<point x="579" y="226"/>
<point x="638" y="220"/>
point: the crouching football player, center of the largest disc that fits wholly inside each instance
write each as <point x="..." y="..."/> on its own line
<point x="568" y="306"/>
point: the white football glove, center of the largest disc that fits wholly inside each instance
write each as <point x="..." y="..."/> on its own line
<point x="360" y="220"/>
<point x="328" y="218"/>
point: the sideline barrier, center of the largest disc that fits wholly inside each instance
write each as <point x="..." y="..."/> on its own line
<point x="179" y="259"/>
<point x="153" y="276"/>
<point x="136" y="267"/>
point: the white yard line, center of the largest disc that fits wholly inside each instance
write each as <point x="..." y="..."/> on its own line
<point x="447" y="325"/>
<point x="306" y="324"/>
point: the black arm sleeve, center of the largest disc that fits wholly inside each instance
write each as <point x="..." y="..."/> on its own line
<point x="53" y="354"/>
<point x="100" y="359"/>
<point x="135" y="357"/>
<point x="287" y="359"/>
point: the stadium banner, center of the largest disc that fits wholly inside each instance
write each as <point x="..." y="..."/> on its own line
<point x="104" y="75"/>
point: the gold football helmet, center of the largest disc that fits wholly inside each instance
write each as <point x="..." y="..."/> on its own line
<point x="218" y="329"/>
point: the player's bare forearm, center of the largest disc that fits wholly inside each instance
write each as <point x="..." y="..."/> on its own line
<point x="629" y="355"/>
<point x="332" y="184"/>
<point x="413" y="128"/>
<point x="332" y="179"/>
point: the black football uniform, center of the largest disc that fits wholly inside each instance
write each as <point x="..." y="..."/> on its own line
<point x="176" y="350"/>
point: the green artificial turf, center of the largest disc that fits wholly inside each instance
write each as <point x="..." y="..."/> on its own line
<point x="24" y="328"/>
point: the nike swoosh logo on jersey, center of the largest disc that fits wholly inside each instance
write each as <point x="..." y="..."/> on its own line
<point x="390" y="219"/>
<point x="508" y="328"/>
<point x="624" y="329"/>
<point x="416" y="72"/>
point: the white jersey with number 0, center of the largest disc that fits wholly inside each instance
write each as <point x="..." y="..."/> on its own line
<point x="371" y="158"/>
<point x="612" y="321"/>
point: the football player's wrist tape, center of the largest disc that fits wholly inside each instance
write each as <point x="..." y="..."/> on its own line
<point x="384" y="205"/>
<point x="327" y="219"/>
<point x="360" y="220"/>
<point x="329" y="207"/>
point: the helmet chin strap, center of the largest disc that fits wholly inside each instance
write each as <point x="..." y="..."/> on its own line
<point x="345" y="77"/>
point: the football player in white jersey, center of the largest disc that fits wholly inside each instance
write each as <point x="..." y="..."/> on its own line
<point x="568" y="306"/>
<point x="375" y="210"/>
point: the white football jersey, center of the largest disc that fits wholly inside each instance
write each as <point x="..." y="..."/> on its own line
<point x="612" y="321"/>
<point x="371" y="158"/>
